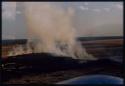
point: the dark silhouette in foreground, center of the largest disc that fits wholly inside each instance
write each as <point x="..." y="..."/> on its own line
<point x="18" y="66"/>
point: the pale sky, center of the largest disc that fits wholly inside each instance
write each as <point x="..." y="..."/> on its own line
<point x="90" y="18"/>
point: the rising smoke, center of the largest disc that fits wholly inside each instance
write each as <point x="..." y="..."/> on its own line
<point x="50" y="30"/>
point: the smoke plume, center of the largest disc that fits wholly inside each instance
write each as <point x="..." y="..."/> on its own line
<point x="50" y="30"/>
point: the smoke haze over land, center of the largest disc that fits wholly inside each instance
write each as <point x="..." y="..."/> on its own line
<point x="50" y="30"/>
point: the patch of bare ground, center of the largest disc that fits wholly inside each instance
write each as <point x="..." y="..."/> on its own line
<point x="53" y="77"/>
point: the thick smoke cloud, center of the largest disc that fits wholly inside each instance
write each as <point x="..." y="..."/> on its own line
<point x="50" y="30"/>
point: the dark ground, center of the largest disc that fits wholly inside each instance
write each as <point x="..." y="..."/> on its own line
<point x="31" y="68"/>
<point x="57" y="70"/>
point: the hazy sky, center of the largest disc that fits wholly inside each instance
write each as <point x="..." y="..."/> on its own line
<point x="90" y="18"/>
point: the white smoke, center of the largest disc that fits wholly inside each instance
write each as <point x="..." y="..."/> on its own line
<point x="50" y="30"/>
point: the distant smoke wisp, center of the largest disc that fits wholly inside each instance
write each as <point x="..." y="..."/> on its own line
<point x="50" y="30"/>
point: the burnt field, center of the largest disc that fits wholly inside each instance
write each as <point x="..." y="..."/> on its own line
<point x="48" y="69"/>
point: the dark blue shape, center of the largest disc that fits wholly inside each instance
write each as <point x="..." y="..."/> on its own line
<point x="94" y="79"/>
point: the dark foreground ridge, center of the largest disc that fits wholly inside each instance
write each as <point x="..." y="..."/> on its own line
<point x="45" y="63"/>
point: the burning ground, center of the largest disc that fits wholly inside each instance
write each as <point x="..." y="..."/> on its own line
<point x="52" y="52"/>
<point x="25" y="74"/>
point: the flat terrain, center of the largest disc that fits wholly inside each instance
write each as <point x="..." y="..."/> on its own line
<point x="102" y="49"/>
<point x="92" y="47"/>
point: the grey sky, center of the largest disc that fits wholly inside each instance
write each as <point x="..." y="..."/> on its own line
<point x="90" y="19"/>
